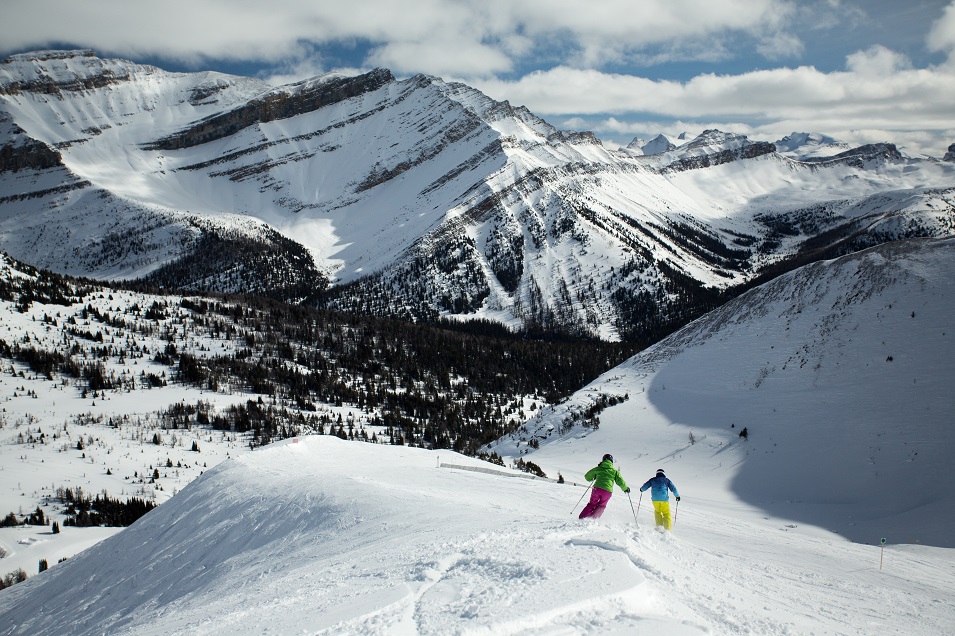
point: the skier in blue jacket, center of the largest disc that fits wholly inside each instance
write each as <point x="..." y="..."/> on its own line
<point x="660" y="484"/>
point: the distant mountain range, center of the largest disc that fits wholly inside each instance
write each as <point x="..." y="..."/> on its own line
<point x="420" y="198"/>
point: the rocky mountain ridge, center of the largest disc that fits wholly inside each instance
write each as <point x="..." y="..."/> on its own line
<point x="419" y="198"/>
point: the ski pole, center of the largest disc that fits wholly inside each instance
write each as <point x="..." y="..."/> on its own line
<point x="582" y="497"/>
<point x="632" y="510"/>
<point x="676" y="512"/>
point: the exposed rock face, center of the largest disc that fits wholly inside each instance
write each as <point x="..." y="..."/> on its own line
<point x="572" y="137"/>
<point x="857" y="157"/>
<point x="31" y="155"/>
<point x="750" y="150"/>
<point x="950" y="155"/>
<point x="280" y="104"/>
<point x="44" y="56"/>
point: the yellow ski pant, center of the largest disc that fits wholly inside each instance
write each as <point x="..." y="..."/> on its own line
<point x="661" y="514"/>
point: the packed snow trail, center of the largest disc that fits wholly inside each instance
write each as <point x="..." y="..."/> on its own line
<point x="322" y="536"/>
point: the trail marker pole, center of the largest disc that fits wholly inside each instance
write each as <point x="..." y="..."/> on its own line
<point x="582" y="497"/>
<point x="881" y="553"/>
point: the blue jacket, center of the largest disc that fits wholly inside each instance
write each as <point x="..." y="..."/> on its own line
<point x="660" y="484"/>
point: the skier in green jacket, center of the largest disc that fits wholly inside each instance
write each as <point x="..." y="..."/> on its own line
<point x="604" y="476"/>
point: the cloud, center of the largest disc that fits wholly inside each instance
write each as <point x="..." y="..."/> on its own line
<point x="877" y="61"/>
<point x="878" y="87"/>
<point x="651" y="32"/>
<point x="780" y="46"/>
<point x="467" y="58"/>
<point x="174" y="29"/>
<point x="459" y="37"/>
<point x="942" y="35"/>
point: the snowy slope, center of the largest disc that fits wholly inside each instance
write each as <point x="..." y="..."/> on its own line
<point x="321" y="536"/>
<point x="841" y="373"/>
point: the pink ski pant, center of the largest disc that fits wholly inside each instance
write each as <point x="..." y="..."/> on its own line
<point x="598" y="502"/>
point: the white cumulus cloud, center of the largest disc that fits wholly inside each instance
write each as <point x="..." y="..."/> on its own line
<point x="942" y="36"/>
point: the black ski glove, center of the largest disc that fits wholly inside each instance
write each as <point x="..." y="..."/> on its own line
<point x="678" y="499"/>
<point x="627" y="491"/>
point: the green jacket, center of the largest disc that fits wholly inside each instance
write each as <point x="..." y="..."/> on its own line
<point x="605" y="475"/>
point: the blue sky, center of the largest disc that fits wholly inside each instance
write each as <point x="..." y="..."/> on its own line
<point x="859" y="70"/>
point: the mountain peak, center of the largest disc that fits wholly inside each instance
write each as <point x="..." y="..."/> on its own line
<point x="384" y="182"/>
<point x="657" y="145"/>
<point x="713" y="136"/>
<point x="51" y="72"/>
<point x="808" y="145"/>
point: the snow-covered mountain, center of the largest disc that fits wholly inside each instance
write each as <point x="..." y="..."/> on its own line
<point x="416" y="197"/>
<point x="654" y="146"/>
<point x="810" y="146"/>
<point x="841" y="374"/>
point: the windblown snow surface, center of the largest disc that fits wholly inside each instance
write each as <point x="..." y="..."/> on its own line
<point x="775" y="534"/>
